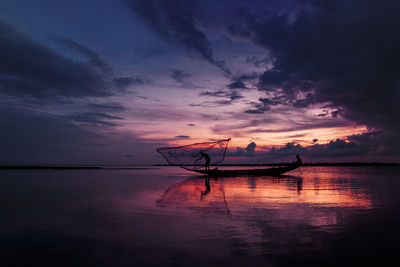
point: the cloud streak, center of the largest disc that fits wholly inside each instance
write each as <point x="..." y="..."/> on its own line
<point x="175" y="22"/>
<point x="31" y="69"/>
<point x="43" y="138"/>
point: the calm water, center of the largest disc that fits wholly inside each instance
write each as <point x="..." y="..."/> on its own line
<point x="167" y="216"/>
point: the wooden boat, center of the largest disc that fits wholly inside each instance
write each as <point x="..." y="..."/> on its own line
<point x="249" y="172"/>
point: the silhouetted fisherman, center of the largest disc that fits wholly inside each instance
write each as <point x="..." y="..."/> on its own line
<point x="299" y="161"/>
<point x="207" y="158"/>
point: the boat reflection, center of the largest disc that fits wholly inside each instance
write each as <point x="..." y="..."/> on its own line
<point x="214" y="193"/>
<point x="241" y="193"/>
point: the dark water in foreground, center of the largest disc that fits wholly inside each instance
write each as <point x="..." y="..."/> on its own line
<point x="166" y="216"/>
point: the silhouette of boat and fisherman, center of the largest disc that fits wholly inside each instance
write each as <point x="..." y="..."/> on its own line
<point x="187" y="158"/>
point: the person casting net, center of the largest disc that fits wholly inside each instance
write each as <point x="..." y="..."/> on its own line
<point x="207" y="159"/>
<point x="196" y="156"/>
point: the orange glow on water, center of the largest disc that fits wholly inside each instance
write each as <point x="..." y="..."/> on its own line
<point x="268" y="192"/>
<point x="237" y="194"/>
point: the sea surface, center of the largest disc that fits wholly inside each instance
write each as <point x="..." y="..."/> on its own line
<point x="165" y="216"/>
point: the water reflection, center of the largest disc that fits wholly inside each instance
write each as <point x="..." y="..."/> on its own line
<point x="288" y="194"/>
<point x="160" y="217"/>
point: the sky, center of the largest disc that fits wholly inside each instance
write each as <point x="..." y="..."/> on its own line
<point x="109" y="81"/>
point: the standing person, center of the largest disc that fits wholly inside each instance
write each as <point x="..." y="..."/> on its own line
<point x="207" y="158"/>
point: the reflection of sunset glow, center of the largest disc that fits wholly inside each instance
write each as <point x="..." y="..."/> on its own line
<point x="267" y="193"/>
<point x="318" y="198"/>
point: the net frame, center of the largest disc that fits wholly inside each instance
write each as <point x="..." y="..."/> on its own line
<point x="194" y="166"/>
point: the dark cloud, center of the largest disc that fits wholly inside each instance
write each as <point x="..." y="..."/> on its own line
<point x="296" y="135"/>
<point x="366" y="146"/>
<point x="223" y="102"/>
<point x="271" y="101"/>
<point x="98" y="114"/>
<point x="180" y="75"/>
<point x="218" y="93"/>
<point x="125" y="82"/>
<point x="336" y="113"/>
<point x="231" y="96"/>
<point x="94" y="118"/>
<point x="243" y="81"/>
<point x="259" y="110"/>
<point x="264" y="104"/>
<point x="31" y="69"/>
<point x="28" y="68"/>
<point x="235" y="95"/>
<point x="251" y="147"/>
<point x="106" y="107"/>
<point x="259" y="62"/>
<point x="237" y="85"/>
<point x="31" y="137"/>
<point x="343" y="52"/>
<point x="182" y="137"/>
<point x="175" y="22"/>
<point x="91" y="57"/>
<point x="191" y="124"/>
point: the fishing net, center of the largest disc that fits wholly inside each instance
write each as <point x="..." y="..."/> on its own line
<point x="204" y="195"/>
<point x="190" y="157"/>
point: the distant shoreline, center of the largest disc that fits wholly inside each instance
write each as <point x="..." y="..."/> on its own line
<point x="316" y="164"/>
<point x="28" y="167"/>
<point x="308" y="164"/>
<point x="130" y="167"/>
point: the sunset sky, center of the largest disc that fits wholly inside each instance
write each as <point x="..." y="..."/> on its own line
<point x="107" y="82"/>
